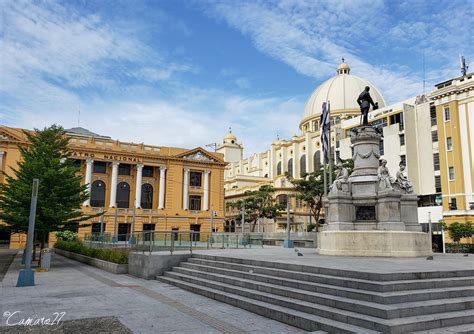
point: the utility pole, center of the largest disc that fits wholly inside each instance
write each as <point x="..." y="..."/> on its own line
<point x="101" y="221"/>
<point x="288" y="243"/>
<point x="27" y="276"/>
<point x="212" y="220"/>
<point x="131" y="241"/>
<point x="114" y="238"/>
<point x="243" y="218"/>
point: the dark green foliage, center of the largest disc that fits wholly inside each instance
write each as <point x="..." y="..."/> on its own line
<point x="457" y="231"/>
<point x="60" y="191"/>
<point x="119" y="256"/>
<point x="258" y="204"/>
<point x="459" y="248"/>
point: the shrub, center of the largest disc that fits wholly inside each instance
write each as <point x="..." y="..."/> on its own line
<point x="66" y="235"/>
<point x="119" y="256"/>
<point x="459" y="248"/>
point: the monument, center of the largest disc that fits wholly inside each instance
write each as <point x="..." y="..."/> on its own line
<point x="369" y="212"/>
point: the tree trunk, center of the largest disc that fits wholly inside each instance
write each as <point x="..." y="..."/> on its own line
<point x="43" y="241"/>
<point x="253" y="226"/>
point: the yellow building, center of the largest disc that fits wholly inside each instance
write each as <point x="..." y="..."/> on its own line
<point x="454" y="100"/>
<point x="169" y="188"/>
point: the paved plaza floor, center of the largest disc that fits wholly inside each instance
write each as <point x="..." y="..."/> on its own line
<point x="440" y="262"/>
<point x="85" y="292"/>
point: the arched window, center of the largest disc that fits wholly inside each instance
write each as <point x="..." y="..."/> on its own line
<point x="302" y="165"/>
<point x="290" y="167"/>
<point x="317" y="160"/>
<point x="123" y="195"/>
<point x="282" y="199"/>
<point x="279" y="168"/>
<point x="98" y="194"/>
<point x="147" y="196"/>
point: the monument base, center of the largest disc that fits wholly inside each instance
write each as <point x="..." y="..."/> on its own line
<point x="374" y="243"/>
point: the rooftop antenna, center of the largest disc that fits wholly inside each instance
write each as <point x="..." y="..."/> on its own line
<point x="342" y="59"/>
<point x="464" y="67"/>
<point x="213" y="146"/>
<point x="424" y="73"/>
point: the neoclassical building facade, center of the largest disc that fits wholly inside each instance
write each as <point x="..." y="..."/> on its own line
<point x="417" y="121"/>
<point x="136" y="186"/>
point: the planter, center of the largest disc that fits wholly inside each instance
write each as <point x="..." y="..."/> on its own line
<point x="111" y="267"/>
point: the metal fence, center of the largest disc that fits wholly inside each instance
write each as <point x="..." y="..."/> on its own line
<point x="149" y="241"/>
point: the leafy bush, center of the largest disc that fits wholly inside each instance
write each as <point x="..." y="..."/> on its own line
<point x="110" y="255"/>
<point x="459" y="248"/>
<point x="66" y="235"/>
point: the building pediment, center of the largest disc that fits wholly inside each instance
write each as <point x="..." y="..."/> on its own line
<point x="11" y="135"/>
<point x="198" y="154"/>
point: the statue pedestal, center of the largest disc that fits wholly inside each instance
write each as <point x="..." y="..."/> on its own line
<point x="374" y="243"/>
<point x="368" y="215"/>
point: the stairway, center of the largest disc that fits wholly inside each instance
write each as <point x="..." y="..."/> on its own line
<point x="332" y="300"/>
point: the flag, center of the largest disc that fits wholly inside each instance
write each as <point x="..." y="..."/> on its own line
<point x="325" y="125"/>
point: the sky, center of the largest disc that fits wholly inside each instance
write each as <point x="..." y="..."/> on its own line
<point x="181" y="72"/>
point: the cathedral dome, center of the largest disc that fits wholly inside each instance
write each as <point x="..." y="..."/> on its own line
<point x="341" y="91"/>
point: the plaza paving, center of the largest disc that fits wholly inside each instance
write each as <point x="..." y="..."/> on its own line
<point x="440" y="262"/>
<point x="85" y="292"/>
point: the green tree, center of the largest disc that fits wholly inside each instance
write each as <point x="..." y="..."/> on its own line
<point x="258" y="204"/>
<point x="60" y="193"/>
<point x="457" y="231"/>
<point x="310" y="189"/>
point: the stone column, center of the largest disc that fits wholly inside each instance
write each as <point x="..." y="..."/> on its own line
<point x="185" y="188"/>
<point x="89" y="165"/>
<point x="161" y="198"/>
<point x="113" y="185"/>
<point x="138" y="186"/>
<point x="309" y="153"/>
<point x="2" y="154"/>
<point x="205" y="205"/>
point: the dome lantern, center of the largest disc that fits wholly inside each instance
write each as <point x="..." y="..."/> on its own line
<point x="343" y="68"/>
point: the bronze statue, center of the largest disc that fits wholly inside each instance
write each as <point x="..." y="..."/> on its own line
<point x="364" y="101"/>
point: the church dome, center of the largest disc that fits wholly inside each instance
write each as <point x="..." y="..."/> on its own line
<point x="341" y="91"/>
<point x="230" y="138"/>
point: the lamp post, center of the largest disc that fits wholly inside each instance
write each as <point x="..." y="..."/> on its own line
<point x="114" y="238"/>
<point x="288" y="243"/>
<point x="243" y="219"/>
<point x="27" y="276"/>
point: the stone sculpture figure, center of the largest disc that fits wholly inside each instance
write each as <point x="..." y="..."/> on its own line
<point x="365" y="101"/>
<point x="402" y="181"/>
<point x="341" y="177"/>
<point x="385" y="180"/>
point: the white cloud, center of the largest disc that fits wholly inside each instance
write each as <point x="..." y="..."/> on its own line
<point x="312" y="36"/>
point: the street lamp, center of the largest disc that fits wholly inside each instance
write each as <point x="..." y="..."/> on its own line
<point x="27" y="276"/>
<point x="288" y="243"/>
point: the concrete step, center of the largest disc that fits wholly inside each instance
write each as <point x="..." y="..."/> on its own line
<point x="370" y="296"/>
<point x="378" y="277"/>
<point x="341" y="302"/>
<point x="461" y="329"/>
<point x="288" y="316"/>
<point x="399" y="325"/>
<point x="354" y="283"/>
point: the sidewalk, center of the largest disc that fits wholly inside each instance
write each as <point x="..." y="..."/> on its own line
<point x="143" y="306"/>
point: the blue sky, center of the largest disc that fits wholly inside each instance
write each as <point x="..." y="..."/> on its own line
<point x="180" y="72"/>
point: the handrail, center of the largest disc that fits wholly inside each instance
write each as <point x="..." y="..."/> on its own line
<point x="171" y="240"/>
